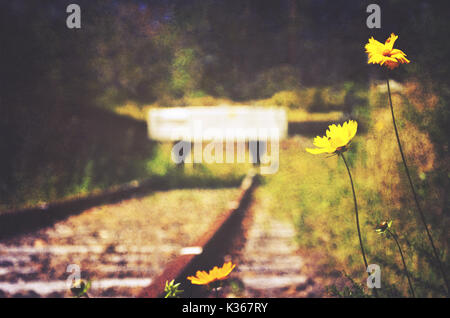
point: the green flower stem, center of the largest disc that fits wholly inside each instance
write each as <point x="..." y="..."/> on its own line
<point x="422" y="217"/>
<point x="357" y="219"/>
<point x="404" y="263"/>
<point x="356" y="212"/>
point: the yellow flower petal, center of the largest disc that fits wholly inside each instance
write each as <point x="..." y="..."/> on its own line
<point x="385" y="54"/>
<point x="204" y="278"/>
<point x="337" y="138"/>
<point x="321" y="142"/>
<point x="389" y="44"/>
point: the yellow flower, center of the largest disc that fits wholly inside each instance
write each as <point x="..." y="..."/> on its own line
<point x="204" y="278"/>
<point x="385" y="54"/>
<point x="336" y="140"/>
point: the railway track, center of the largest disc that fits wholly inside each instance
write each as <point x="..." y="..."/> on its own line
<point x="132" y="247"/>
<point x="121" y="261"/>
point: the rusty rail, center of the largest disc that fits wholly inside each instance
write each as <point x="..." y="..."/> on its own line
<point x="209" y="250"/>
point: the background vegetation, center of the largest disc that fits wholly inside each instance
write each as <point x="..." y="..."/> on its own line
<point x="315" y="194"/>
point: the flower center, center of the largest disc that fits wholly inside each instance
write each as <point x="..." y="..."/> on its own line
<point x="387" y="53"/>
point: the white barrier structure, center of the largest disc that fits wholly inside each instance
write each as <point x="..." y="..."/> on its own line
<point x="220" y="125"/>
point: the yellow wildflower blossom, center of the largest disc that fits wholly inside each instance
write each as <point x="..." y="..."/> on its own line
<point x="385" y="54"/>
<point x="336" y="140"/>
<point x="204" y="278"/>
